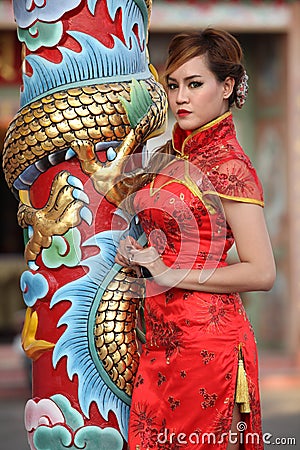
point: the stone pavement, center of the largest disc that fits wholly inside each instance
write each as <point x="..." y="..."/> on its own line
<point x="280" y="390"/>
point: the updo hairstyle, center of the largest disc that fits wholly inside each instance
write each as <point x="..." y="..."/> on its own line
<point x="222" y="51"/>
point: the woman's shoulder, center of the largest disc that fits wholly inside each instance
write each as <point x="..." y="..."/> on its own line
<point x="230" y="172"/>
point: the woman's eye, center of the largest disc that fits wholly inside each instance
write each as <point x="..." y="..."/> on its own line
<point x="196" y="84"/>
<point x="172" y="86"/>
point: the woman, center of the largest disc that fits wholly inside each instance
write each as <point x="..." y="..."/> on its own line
<point x="197" y="383"/>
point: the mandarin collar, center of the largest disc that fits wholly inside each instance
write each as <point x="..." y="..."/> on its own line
<point x="180" y="137"/>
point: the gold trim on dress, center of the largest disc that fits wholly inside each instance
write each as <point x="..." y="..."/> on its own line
<point x="238" y="199"/>
<point x="180" y="152"/>
<point x="188" y="182"/>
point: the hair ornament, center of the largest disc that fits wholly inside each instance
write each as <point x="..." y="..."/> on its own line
<point x="242" y="90"/>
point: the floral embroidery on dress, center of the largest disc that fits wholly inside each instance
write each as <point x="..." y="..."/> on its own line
<point x="164" y="334"/>
<point x="216" y="314"/>
<point x="158" y="240"/>
<point x="222" y="423"/>
<point x="205" y="256"/>
<point x="171" y="225"/>
<point x="161" y="379"/>
<point x="173" y="403"/>
<point x="151" y="435"/>
<point x="198" y="210"/>
<point x="147" y="222"/>
<point x="139" y="380"/>
<point x="234" y="179"/>
<point x="186" y="295"/>
<point x="227" y="299"/>
<point x="144" y="425"/>
<point x="209" y="399"/>
<point x="169" y="296"/>
<point x="182" y="214"/>
<point x="211" y="142"/>
<point x="213" y="315"/>
<point x="207" y="356"/>
<point x="181" y="219"/>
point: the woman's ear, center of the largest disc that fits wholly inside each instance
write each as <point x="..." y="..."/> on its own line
<point x="228" y="87"/>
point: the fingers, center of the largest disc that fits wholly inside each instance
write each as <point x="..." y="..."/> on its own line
<point x="119" y="259"/>
<point x="131" y="253"/>
<point x="125" y="261"/>
<point x="131" y="241"/>
<point x="124" y="255"/>
<point x="144" y="257"/>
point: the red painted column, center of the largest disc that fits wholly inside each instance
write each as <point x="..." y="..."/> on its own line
<point x="89" y="101"/>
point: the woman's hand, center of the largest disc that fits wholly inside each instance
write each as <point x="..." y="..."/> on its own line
<point x="132" y="254"/>
<point x="124" y="253"/>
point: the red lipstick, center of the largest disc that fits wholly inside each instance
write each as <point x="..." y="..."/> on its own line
<point x="183" y="112"/>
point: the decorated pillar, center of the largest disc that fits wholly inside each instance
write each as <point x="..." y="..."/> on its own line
<point x="89" y="101"/>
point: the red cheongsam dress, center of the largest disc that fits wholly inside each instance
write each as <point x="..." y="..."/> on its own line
<point x="200" y="355"/>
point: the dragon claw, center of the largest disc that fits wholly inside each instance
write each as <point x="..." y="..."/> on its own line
<point x="64" y="210"/>
<point x="80" y="195"/>
<point x="86" y="215"/>
<point x="75" y="182"/>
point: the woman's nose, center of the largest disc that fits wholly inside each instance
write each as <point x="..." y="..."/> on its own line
<point x="182" y="95"/>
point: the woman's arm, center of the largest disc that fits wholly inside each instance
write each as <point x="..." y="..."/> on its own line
<point x="254" y="272"/>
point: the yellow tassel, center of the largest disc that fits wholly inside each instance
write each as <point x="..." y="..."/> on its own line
<point x="242" y="390"/>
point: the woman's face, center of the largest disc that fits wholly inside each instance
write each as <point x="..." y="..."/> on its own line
<point x="195" y="96"/>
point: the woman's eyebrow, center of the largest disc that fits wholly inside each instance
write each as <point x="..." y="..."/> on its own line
<point x="193" y="76"/>
<point x="190" y="77"/>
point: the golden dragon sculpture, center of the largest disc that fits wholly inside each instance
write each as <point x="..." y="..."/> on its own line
<point x="89" y="102"/>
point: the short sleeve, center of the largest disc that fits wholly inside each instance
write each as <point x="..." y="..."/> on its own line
<point x="237" y="180"/>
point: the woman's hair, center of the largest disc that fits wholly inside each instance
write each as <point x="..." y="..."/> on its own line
<point x="222" y="51"/>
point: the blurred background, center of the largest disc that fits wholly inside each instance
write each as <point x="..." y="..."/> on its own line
<point x="268" y="129"/>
